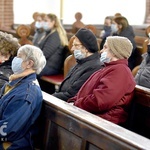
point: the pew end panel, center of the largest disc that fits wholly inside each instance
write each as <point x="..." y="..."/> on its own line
<point x="139" y="117"/>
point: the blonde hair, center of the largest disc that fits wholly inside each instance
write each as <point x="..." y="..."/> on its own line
<point x="59" y="28"/>
<point x="8" y="44"/>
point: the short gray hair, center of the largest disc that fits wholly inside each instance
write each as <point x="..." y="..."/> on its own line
<point x="35" y="54"/>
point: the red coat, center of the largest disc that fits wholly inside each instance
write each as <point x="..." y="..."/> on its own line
<point x="108" y="92"/>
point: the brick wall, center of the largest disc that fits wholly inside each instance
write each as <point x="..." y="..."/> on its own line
<point x="6" y="13"/>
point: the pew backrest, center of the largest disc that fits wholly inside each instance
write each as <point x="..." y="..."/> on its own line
<point x="139" y="117"/>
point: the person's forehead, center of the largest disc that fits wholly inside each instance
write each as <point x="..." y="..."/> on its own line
<point x="76" y="40"/>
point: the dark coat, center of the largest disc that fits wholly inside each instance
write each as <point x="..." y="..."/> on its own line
<point x="143" y="75"/>
<point x="78" y="75"/>
<point x="5" y="72"/>
<point x="53" y="50"/>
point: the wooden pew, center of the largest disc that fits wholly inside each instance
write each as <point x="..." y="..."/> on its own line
<point x="66" y="127"/>
<point x="139" y="118"/>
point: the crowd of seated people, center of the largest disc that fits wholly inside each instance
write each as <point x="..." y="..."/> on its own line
<point x="108" y="92"/>
<point x="92" y="84"/>
<point x="85" y="51"/>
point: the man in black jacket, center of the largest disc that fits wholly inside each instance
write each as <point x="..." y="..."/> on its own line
<point x="85" y="50"/>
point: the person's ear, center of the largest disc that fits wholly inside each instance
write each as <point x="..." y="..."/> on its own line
<point x="30" y="64"/>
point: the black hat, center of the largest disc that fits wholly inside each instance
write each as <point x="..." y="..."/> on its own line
<point x="88" y="39"/>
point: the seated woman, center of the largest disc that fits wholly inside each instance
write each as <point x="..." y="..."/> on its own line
<point x="108" y="92"/>
<point x="8" y="49"/>
<point x="85" y="50"/>
<point x="21" y="100"/>
<point x="53" y="45"/>
<point x="39" y="31"/>
<point x="143" y="75"/>
<point x="125" y="30"/>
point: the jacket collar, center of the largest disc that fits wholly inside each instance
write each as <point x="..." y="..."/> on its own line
<point x="28" y="79"/>
<point x="120" y="61"/>
<point x="93" y="56"/>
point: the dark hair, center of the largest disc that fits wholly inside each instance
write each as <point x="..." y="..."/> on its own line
<point x="121" y="21"/>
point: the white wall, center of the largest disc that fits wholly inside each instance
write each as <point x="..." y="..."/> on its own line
<point x="93" y="11"/>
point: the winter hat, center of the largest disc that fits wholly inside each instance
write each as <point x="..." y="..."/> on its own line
<point x="121" y="47"/>
<point x="88" y="39"/>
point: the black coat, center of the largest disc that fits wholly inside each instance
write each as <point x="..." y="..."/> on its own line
<point x="77" y="76"/>
<point x="53" y="50"/>
<point x="5" y="72"/>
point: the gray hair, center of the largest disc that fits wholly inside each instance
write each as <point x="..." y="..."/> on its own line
<point x="35" y="54"/>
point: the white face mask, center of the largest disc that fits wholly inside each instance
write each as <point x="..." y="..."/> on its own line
<point x="104" y="58"/>
<point x="114" y="28"/>
<point x="38" y="24"/>
<point x="78" y="54"/>
<point x="46" y="26"/>
<point x="16" y="65"/>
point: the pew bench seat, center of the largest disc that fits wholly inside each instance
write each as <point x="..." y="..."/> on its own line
<point x="54" y="79"/>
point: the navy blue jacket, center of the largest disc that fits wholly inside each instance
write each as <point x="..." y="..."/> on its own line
<point x="19" y="108"/>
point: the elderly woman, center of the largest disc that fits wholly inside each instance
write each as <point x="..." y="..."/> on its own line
<point x="21" y="99"/>
<point x="108" y="92"/>
<point x="8" y="49"/>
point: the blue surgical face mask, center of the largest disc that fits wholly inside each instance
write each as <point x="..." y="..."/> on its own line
<point x="46" y="26"/>
<point x="78" y="54"/>
<point x="38" y="24"/>
<point x="16" y="65"/>
<point x="104" y="58"/>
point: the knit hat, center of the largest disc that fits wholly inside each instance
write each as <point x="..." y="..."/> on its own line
<point x="88" y="39"/>
<point x="121" y="47"/>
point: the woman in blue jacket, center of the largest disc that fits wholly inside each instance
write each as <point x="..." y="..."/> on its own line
<point x="21" y="100"/>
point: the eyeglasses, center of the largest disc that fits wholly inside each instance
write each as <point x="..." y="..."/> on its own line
<point x="76" y="45"/>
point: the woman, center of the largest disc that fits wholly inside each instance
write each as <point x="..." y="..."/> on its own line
<point x="108" y="92"/>
<point x="53" y="45"/>
<point x="125" y="30"/>
<point x="8" y="49"/>
<point x="143" y="75"/>
<point x="21" y="100"/>
<point x="39" y="31"/>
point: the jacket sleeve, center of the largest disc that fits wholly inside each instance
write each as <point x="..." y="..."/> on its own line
<point x="51" y="45"/>
<point x="107" y="94"/>
<point x="16" y="119"/>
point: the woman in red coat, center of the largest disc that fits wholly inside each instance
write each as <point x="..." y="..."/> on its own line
<point x="108" y="92"/>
